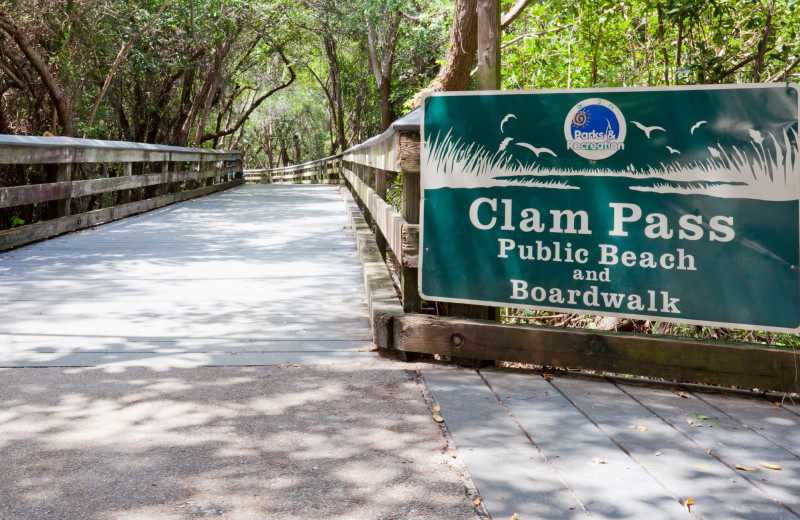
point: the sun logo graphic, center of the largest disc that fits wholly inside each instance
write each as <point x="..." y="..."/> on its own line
<point x="595" y="129"/>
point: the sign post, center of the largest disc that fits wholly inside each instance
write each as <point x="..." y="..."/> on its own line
<point x="673" y="204"/>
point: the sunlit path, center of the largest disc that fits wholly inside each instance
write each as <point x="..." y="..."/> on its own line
<point x="256" y="275"/>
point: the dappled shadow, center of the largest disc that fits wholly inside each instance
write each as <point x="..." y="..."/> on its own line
<point x="258" y="269"/>
<point x="257" y="442"/>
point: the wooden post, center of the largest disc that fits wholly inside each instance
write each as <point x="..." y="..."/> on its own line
<point x="380" y="190"/>
<point x="489" y="45"/>
<point x="58" y="173"/>
<point x="127" y="170"/>
<point x="488" y="79"/>
<point x="408" y="161"/>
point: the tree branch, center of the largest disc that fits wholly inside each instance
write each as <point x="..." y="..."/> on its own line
<point x="779" y="76"/>
<point x="122" y="52"/>
<point x="514" y="13"/>
<point x="255" y="104"/>
<point x="56" y="94"/>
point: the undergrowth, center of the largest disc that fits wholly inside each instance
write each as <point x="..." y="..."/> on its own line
<point x="522" y="316"/>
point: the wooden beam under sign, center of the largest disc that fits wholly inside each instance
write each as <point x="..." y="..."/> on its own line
<point x="679" y="359"/>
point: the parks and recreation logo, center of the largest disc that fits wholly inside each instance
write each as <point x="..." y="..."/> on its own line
<point x="595" y="129"/>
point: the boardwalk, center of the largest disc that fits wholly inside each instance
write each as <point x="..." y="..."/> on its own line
<point x="577" y="448"/>
<point x="253" y="276"/>
<point x="268" y="275"/>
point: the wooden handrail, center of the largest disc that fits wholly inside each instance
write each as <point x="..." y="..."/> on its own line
<point x="208" y="171"/>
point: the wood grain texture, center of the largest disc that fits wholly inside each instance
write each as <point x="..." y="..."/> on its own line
<point x="408" y="158"/>
<point x="10" y="154"/>
<point x="18" y="195"/>
<point x="678" y="359"/>
<point x="386" y="218"/>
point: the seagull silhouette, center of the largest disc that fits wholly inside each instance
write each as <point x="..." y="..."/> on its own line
<point x="505" y="120"/>
<point x="535" y="150"/>
<point x="504" y="144"/>
<point x="696" y="126"/>
<point x="647" y="129"/>
<point x="673" y="150"/>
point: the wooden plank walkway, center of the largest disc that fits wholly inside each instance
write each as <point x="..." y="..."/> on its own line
<point x="575" y="448"/>
<point x="251" y="276"/>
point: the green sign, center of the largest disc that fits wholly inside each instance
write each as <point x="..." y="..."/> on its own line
<point x="674" y="204"/>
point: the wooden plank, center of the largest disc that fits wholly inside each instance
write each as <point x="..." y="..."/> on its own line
<point x="18" y="195"/>
<point x="12" y="238"/>
<point x="489" y="37"/>
<point x="681" y="466"/>
<point x="384" y="305"/>
<point x="771" y="418"/>
<point x="409" y="249"/>
<point x="730" y="442"/>
<point x="386" y="218"/>
<point x="10" y="154"/>
<point x="408" y="159"/>
<point x="674" y="358"/>
<point x="380" y="153"/>
<point x="605" y="479"/>
<point x="509" y="471"/>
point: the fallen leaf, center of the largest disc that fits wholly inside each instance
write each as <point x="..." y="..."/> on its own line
<point x="709" y="450"/>
<point x="477" y="501"/>
<point x="777" y="403"/>
<point x="640" y="427"/>
<point x="745" y="468"/>
<point x="703" y="466"/>
<point x="746" y="427"/>
<point x="769" y="466"/>
<point x="438" y="418"/>
<point x="688" y="504"/>
<point x="515" y="516"/>
<point x="598" y="460"/>
<point x="437" y="408"/>
<point x="698" y="416"/>
<point x="692" y="423"/>
<point x="684" y="395"/>
<point x="547" y="377"/>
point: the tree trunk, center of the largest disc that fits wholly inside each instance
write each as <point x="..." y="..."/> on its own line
<point x="762" y="46"/>
<point x="53" y="89"/>
<point x="336" y="91"/>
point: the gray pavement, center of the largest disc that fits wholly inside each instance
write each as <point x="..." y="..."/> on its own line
<point x="340" y="441"/>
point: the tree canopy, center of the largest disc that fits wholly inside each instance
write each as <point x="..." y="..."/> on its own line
<point x="288" y="81"/>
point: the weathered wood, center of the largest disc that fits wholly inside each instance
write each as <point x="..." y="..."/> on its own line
<point x="488" y="45"/>
<point x="12" y="238"/>
<point x="408" y="152"/>
<point x="384" y="305"/>
<point x="386" y="218"/>
<point x="381" y="154"/>
<point x="18" y="195"/>
<point x="410" y="248"/>
<point x="673" y="358"/>
<point x="59" y="150"/>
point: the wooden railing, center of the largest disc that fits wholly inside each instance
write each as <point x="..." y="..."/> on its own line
<point x="105" y="180"/>
<point x="322" y="171"/>
<point x="404" y="324"/>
